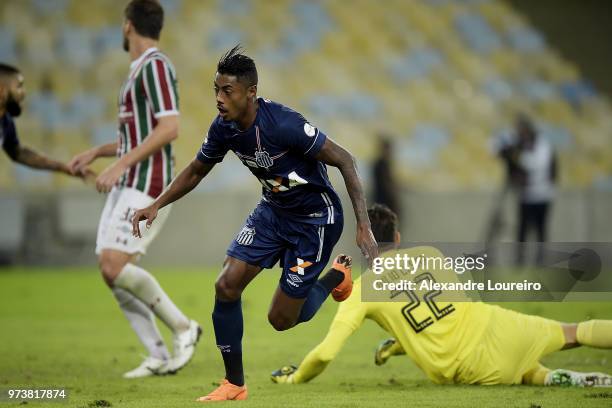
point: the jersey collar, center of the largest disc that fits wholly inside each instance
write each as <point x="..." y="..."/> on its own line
<point x="138" y="60"/>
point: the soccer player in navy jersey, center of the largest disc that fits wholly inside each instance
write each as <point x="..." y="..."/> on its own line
<point x="12" y="94"/>
<point x="297" y="222"/>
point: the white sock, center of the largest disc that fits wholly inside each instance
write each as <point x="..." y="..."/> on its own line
<point x="143" y="322"/>
<point x="145" y="287"/>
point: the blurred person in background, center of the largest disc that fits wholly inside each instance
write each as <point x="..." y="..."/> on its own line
<point x="12" y="95"/>
<point x="506" y="148"/>
<point x="385" y="186"/>
<point x="148" y="122"/>
<point x="531" y="165"/>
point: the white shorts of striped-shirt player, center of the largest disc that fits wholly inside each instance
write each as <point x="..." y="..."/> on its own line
<point x="115" y="227"/>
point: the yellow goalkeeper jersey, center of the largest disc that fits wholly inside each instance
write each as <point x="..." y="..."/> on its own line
<point x="437" y="335"/>
<point x="451" y="339"/>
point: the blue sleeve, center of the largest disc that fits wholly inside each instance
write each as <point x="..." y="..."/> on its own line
<point x="214" y="148"/>
<point x="301" y="136"/>
<point x="10" y="142"/>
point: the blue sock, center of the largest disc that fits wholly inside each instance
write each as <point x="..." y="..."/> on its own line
<point x="227" y="320"/>
<point x="318" y="293"/>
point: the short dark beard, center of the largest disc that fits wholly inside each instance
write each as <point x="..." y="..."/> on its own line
<point x="13" y="107"/>
<point x="126" y="44"/>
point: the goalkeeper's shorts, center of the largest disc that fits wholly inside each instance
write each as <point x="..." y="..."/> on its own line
<point x="512" y="345"/>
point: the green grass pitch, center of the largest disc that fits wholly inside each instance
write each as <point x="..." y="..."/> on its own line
<point x="61" y="327"/>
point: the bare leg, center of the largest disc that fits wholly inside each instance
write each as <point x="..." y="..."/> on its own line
<point x="569" y="331"/>
<point x="284" y="310"/>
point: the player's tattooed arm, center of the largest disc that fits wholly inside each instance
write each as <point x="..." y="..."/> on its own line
<point x="35" y="160"/>
<point x="186" y="181"/>
<point x="335" y="155"/>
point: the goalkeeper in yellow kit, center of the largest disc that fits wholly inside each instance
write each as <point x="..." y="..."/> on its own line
<point x="459" y="342"/>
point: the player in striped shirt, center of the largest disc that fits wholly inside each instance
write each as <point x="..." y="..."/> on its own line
<point x="148" y="123"/>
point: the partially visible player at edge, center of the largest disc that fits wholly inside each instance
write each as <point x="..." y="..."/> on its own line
<point x="12" y="95"/>
<point x="298" y="221"/>
<point x="461" y="342"/>
<point x="148" y="123"/>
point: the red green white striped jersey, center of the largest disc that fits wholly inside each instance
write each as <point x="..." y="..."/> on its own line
<point x="150" y="92"/>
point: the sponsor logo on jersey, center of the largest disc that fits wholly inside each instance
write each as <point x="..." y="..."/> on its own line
<point x="245" y="236"/>
<point x="283" y="184"/>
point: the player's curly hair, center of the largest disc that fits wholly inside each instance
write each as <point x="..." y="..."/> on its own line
<point x="384" y="222"/>
<point x="235" y="63"/>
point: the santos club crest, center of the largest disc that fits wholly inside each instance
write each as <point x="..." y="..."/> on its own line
<point x="263" y="159"/>
<point x="246" y="235"/>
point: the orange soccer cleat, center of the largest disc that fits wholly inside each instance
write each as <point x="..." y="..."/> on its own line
<point x="226" y="392"/>
<point x="343" y="264"/>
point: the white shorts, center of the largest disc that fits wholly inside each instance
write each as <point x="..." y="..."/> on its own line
<point x="115" y="228"/>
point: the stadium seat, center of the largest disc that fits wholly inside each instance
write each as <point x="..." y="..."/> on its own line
<point x="456" y="68"/>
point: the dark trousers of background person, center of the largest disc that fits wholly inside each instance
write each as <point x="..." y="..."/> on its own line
<point x="532" y="216"/>
<point x="385" y="188"/>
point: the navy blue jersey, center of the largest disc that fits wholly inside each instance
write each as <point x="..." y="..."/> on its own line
<point x="8" y="135"/>
<point x="279" y="149"/>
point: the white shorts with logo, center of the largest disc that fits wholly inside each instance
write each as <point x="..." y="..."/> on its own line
<point x="115" y="228"/>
